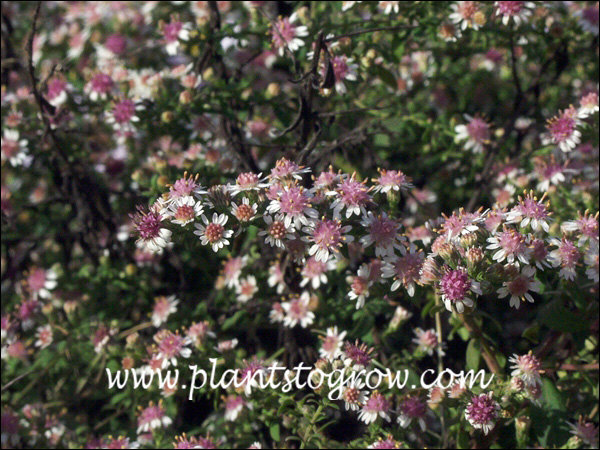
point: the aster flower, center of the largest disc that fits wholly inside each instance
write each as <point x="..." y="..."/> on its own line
<point x="294" y="203"/>
<point x="359" y="287"/>
<point x="163" y="308"/>
<point x="56" y="91"/>
<point x="482" y="412"/>
<point x="526" y="367"/>
<point x="14" y="150"/>
<point x="276" y="277"/>
<point x="232" y="269"/>
<point x="406" y="270"/>
<point x="43" y="336"/>
<point x="99" y="87"/>
<point x="427" y="342"/>
<point x="383" y="232"/>
<point x="358" y="356"/>
<point x="509" y="245"/>
<point x="276" y="231"/>
<point x="466" y="14"/>
<point x="186" y="186"/>
<point x="530" y="211"/>
<point x="153" y="237"/>
<point x="171" y="346"/>
<point x="400" y="316"/>
<point x="586" y="225"/>
<point x="285" y="170"/>
<point x="244" y="212"/>
<point x="588" y="105"/>
<point x="476" y="133"/>
<point x="246" y="288"/>
<point x="375" y="406"/>
<point x="457" y="289"/>
<point x="591" y="261"/>
<point x="331" y="347"/>
<point x="353" y="398"/>
<point x="585" y="430"/>
<point x="314" y="272"/>
<point x="350" y="194"/>
<point x="40" y="282"/>
<point x="287" y="34"/>
<point x="173" y="32"/>
<point x="389" y="7"/>
<point x="389" y="442"/>
<point x="460" y="223"/>
<point x="412" y="408"/>
<point x="153" y="417"/>
<point x="297" y="311"/>
<point x="234" y="404"/>
<point x="539" y="254"/>
<point x="566" y="256"/>
<point x="214" y="232"/>
<point x="248" y="375"/>
<point x="123" y="115"/>
<point x="245" y="182"/>
<point x="563" y="129"/>
<point x="184" y="210"/>
<point x="588" y="18"/>
<point x="518" y="11"/>
<point x="327" y="236"/>
<point x="277" y="313"/>
<point x="344" y="69"/>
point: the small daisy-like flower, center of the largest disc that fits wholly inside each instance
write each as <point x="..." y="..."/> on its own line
<point x="406" y="270"/>
<point x="476" y="133"/>
<point x="482" y="412"/>
<point x="389" y="442"/>
<point x="184" y="210"/>
<point x="232" y="269"/>
<point x="276" y="231"/>
<point x="352" y="195"/>
<point x="584" y="430"/>
<point x="359" y="287"/>
<point x="383" y="232"/>
<point x="586" y="225"/>
<point x="357" y="355"/>
<point x="186" y="186"/>
<point x="184" y="442"/>
<point x="277" y="313"/>
<point x="539" y="254"/>
<point x="526" y="367"/>
<point x="14" y="150"/>
<point x="285" y="170"/>
<point x="344" y="69"/>
<point x="331" y="347"/>
<point x="466" y="14"/>
<point x="588" y="105"/>
<point x="391" y="180"/>
<point x="99" y="87"/>
<point x="244" y="212"/>
<point x="457" y="288"/>
<point x="246" y="289"/>
<point x="234" y="404"/>
<point x="519" y="286"/>
<point x="510" y="245"/>
<point x="591" y="261"/>
<point x="530" y="211"/>
<point x="449" y="32"/>
<point x="400" y="316"/>
<point x="286" y="34"/>
<point x="40" y="282"/>
<point x="588" y="18"/>
<point x="171" y="346"/>
<point x="56" y="91"/>
<point x="460" y="223"/>
<point x="44" y="336"/>
<point x="389" y="7"/>
<point x="563" y="129"/>
<point x="214" y="233"/>
<point x="153" y="417"/>
<point x="327" y="237"/>
<point x="101" y="337"/>
<point x="412" y="408"/>
<point x="276" y="277"/>
<point x="353" y="398"/>
<point x="173" y="32"/>
<point x="163" y="308"/>
<point x="314" y="272"/>
<point x="198" y="331"/>
<point x="227" y="345"/>
<point x="245" y="182"/>
<point x="567" y="256"/>
<point x="123" y="115"/>
<point x="550" y="173"/>
<point x="375" y="406"/>
<point x="294" y="203"/>
<point x="153" y="237"/>
<point x="252" y="374"/>
<point x="518" y="11"/>
<point x="297" y="311"/>
<point x="427" y="341"/>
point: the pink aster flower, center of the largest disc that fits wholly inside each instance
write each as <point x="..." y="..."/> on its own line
<point x="389" y="7"/>
<point x="40" y="282"/>
<point x="588" y="18"/>
<point x="286" y="34"/>
<point x="276" y="231"/>
<point x="351" y="195"/>
<point x="214" y="233"/>
<point x="550" y="173"/>
<point x="591" y="261"/>
<point x="172" y="346"/>
<point x="388" y="443"/>
<point x="530" y="211"/>
<point x="584" y="430"/>
<point x="526" y="367"/>
<point x="566" y="256"/>
<point x="563" y="129"/>
<point x="482" y="412"/>
<point x="294" y="203"/>
<point x="285" y="170"/>
<point x="509" y="245"/>
<point x="460" y="223"/>
<point x="427" y="342"/>
<point x="14" y="150"/>
<point x="198" y="331"/>
<point x="406" y="270"/>
<point x="360" y="284"/>
<point x="277" y="313"/>
<point x="173" y="32"/>
<point x="588" y="105"/>
<point x="123" y="115"/>
<point x="327" y="236"/>
<point x="467" y="14"/>
<point x="476" y="133"/>
<point x="186" y="186"/>
<point x="276" y="277"/>
<point x="56" y="91"/>
<point x="586" y="225"/>
<point x="331" y="347"/>
<point x="356" y="355"/>
<point x="457" y="289"/>
<point x="99" y="87"/>
<point x="315" y="272"/>
<point x="163" y="308"/>
<point x="412" y="408"/>
<point x="152" y="417"/>
<point x="375" y="406"/>
<point x="344" y="69"/>
<point x="232" y="269"/>
<point x="246" y="181"/>
<point x="539" y="254"/>
<point x="44" y="336"/>
<point x="234" y="404"/>
<point x="519" y="285"/>
<point x="383" y="232"/>
<point x="153" y="237"/>
<point x="297" y="311"/>
<point x="102" y="337"/>
<point x="518" y="11"/>
<point x="251" y="375"/>
<point x="353" y="398"/>
<point x="246" y="288"/>
<point x="244" y="212"/>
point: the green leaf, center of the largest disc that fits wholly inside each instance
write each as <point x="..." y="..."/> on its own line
<point x="555" y="316"/>
<point x="473" y="355"/>
<point x="552" y="396"/>
<point x="229" y="323"/>
<point x="274" y="432"/>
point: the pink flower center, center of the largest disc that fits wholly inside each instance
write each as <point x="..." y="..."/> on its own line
<point x="283" y="32"/>
<point x="328" y="234"/>
<point x="149" y="225"/>
<point x="214" y="232"/>
<point x="510" y="8"/>
<point x="455" y="284"/>
<point x="293" y="201"/>
<point x="512" y="242"/>
<point x="478" y="130"/>
<point x="413" y="407"/>
<point x="519" y="286"/>
<point x="277" y="230"/>
<point x="123" y="111"/>
<point x="185" y="213"/>
<point x="482" y="409"/>
<point x="171" y="31"/>
<point x="102" y="83"/>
